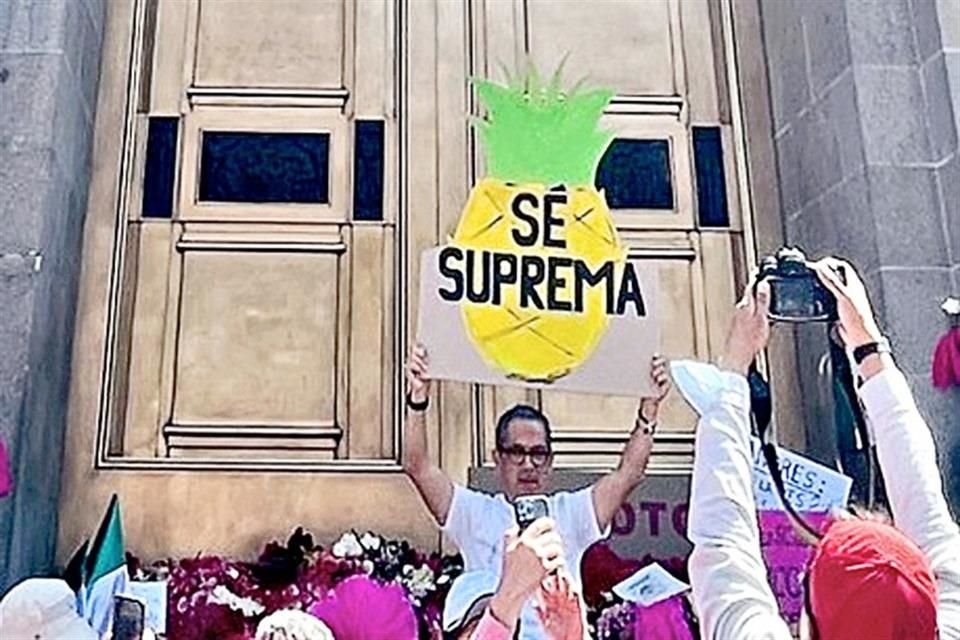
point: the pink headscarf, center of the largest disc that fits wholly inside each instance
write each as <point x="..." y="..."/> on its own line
<point x="360" y="608"/>
<point x="946" y="360"/>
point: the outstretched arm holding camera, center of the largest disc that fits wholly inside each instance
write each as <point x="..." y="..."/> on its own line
<point x="905" y="446"/>
<point x="729" y="579"/>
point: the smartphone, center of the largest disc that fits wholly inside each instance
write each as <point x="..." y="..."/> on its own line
<point x="128" y="615"/>
<point x="529" y="508"/>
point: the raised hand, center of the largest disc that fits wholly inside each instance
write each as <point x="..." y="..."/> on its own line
<point x="650" y="407"/>
<point x="858" y="325"/>
<point x="749" y="330"/>
<point x="528" y="558"/>
<point x="418" y="385"/>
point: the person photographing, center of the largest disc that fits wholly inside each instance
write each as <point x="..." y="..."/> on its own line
<point x="867" y="579"/>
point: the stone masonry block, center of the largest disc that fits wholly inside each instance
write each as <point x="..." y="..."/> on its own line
<point x="940" y="108"/>
<point x="892" y="112"/>
<point x="926" y="24"/>
<point x="819" y="155"/>
<point x="949" y="183"/>
<point x="788" y="170"/>
<point x="952" y="61"/>
<point x="940" y="409"/>
<point x="839" y="112"/>
<point x="26" y="177"/>
<point x="32" y="25"/>
<point x="948" y="13"/>
<point x="911" y="314"/>
<point x="881" y="32"/>
<point x="28" y="95"/>
<point x="827" y="40"/>
<point x="906" y="209"/>
<point x="783" y="34"/>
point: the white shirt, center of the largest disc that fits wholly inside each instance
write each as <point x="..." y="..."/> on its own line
<point x="730" y="589"/>
<point x="477" y="521"/>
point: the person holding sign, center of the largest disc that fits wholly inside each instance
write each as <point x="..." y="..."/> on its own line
<point x="524" y="457"/>
<point x="867" y="579"/>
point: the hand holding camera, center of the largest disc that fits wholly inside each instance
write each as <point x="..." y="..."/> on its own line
<point x="858" y="326"/>
<point x="749" y="330"/>
<point x="528" y="558"/>
<point x="789" y="288"/>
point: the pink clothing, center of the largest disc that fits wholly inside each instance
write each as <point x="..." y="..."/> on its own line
<point x="664" y="620"/>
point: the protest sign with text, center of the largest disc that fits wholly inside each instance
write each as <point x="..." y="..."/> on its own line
<point x="535" y="286"/>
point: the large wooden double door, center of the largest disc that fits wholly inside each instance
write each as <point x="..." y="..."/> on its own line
<point x="266" y="173"/>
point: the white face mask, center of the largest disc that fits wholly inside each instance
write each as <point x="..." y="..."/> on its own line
<point x="699" y="383"/>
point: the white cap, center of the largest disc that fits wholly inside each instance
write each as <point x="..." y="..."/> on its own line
<point x="42" y="609"/>
<point x="292" y="624"/>
<point x="468" y="597"/>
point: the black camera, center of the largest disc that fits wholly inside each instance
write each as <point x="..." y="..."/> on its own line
<point x="796" y="293"/>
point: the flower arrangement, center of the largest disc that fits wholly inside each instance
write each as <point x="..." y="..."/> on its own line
<point x="213" y="597"/>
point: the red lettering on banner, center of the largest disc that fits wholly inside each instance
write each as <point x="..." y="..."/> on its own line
<point x="680" y="519"/>
<point x="654" y="509"/>
<point x="624" y="520"/>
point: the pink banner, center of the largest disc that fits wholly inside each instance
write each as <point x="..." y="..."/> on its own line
<point x="787" y="557"/>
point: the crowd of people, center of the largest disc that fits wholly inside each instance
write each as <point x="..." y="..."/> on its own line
<point x="869" y="578"/>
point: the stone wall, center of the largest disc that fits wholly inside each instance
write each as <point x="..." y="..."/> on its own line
<point x="865" y="130"/>
<point x="49" y="68"/>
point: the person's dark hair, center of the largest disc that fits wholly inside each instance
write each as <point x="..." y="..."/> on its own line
<point x="520" y="412"/>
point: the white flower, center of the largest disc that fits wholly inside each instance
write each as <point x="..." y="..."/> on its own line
<point x="348" y="546"/>
<point x="247" y="606"/>
<point x="419" y="582"/>
<point x="368" y="567"/>
<point x="370" y="542"/>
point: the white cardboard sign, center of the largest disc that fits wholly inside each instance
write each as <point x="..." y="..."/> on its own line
<point x="650" y="585"/>
<point x="809" y="485"/>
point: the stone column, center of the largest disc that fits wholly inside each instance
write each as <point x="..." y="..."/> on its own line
<point x="49" y="70"/>
<point x="865" y="132"/>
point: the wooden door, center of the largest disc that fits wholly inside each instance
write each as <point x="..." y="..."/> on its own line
<point x="266" y="174"/>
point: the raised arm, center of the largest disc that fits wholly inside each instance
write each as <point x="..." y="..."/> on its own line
<point x="612" y="490"/>
<point x="434" y="485"/>
<point x="730" y="589"/>
<point x="905" y="446"/>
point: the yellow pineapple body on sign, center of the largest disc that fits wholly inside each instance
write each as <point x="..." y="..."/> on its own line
<point x="528" y="309"/>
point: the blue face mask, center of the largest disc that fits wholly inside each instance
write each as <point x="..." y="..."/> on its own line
<point x="699" y="383"/>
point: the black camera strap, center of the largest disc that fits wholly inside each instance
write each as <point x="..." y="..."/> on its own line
<point x="761" y="405"/>
<point x="843" y="376"/>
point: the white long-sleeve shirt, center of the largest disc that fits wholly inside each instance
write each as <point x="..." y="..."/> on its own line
<point x="730" y="589"/>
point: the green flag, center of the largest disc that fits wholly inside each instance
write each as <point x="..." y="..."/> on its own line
<point x="104" y="570"/>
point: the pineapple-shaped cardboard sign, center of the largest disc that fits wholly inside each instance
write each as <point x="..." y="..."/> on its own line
<point x="535" y="264"/>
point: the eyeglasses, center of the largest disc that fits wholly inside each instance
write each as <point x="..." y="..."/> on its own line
<point x="516" y="454"/>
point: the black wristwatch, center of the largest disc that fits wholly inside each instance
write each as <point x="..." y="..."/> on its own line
<point x="417" y="406"/>
<point x="863" y="351"/>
